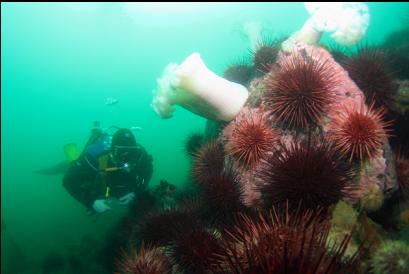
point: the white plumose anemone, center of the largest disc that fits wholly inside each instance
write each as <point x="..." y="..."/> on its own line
<point x="193" y="86"/>
<point x="346" y="21"/>
<point x="253" y="32"/>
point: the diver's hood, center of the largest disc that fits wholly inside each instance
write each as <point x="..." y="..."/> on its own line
<point x="122" y="138"/>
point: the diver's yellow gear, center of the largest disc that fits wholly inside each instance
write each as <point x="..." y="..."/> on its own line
<point x="71" y="152"/>
<point x="112" y="169"/>
<point x="103" y="165"/>
<point x="103" y="162"/>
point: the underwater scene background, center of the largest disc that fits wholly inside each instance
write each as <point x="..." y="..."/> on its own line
<point x="66" y="65"/>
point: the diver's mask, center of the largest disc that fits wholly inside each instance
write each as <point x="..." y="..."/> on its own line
<point x="125" y="156"/>
<point x="119" y="141"/>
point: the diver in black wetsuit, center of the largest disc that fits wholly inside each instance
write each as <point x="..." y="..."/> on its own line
<point x="111" y="166"/>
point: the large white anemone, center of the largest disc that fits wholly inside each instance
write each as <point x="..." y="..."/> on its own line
<point x="346" y="21"/>
<point x="193" y="86"/>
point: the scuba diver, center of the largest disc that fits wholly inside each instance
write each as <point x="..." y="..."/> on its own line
<point x="110" y="166"/>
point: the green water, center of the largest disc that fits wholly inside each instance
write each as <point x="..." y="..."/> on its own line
<point x="59" y="62"/>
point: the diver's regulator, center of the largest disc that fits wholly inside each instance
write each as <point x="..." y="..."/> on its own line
<point x="124" y="167"/>
<point x="103" y="143"/>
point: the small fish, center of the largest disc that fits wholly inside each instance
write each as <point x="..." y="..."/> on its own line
<point x="135" y="128"/>
<point x="110" y="101"/>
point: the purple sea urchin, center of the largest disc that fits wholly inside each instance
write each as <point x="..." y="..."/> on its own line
<point x="160" y="228"/>
<point x="193" y="251"/>
<point x="208" y="161"/>
<point x="240" y="73"/>
<point x="223" y="195"/>
<point x="265" y="54"/>
<point x="369" y="70"/>
<point x="193" y="143"/>
<point x="307" y="171"/>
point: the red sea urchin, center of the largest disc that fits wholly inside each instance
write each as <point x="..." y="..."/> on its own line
<point x="148" y="260"/>
<point x="252" y="138"/>
<point x="369" y="69"/>
<point x="299" y="91"/>
<point x="284" y="242"/>
<point x="307" y="171"/>
<point x="358" y="133"/>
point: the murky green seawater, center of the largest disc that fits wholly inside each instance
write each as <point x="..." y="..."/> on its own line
<point x="59" y="63"/>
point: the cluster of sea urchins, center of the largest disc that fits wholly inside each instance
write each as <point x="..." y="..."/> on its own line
<point x="280" y="242"/>
<point x="298" y="153"/>
<point x="262" y="58"/>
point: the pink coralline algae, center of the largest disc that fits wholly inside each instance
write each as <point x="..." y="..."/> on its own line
<point x="345" y="94"/>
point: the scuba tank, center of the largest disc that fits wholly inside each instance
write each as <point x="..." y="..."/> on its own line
<point x="99" y="141"/>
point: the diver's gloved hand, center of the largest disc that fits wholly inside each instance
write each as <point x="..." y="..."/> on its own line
<point x="127" y="198"/>
<point x="100" y="206"/>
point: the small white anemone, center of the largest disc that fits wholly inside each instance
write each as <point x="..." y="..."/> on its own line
<point x="193" y="86"/>
<point x="346" y="21"/>
<point x="253" y="32"/>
